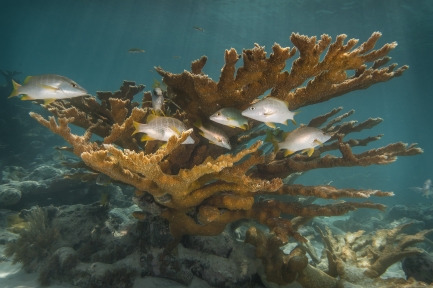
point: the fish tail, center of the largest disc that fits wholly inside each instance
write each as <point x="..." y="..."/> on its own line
<point x="136" y="127"/>
<point x="15" y="91"/>
<point x="293" y="120"/>
<point x="271" y="139"/>
<point x="269" y="136"/>
<point x="197" y="123"/>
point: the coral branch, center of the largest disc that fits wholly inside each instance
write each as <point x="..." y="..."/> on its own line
<point x="389" y="253"/>
<point x="300" y="163"/>
<point x="328" y="192"/>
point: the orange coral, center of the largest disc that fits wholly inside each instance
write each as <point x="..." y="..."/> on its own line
<point x="199" y="179"/>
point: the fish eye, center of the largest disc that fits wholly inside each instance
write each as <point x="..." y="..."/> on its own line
<point x="252" y="108"/>
<point x="74" y="85"/>
<point x="219" y="114"/>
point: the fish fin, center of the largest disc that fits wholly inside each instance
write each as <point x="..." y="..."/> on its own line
<point x="285" y="122"/>
<point x="294" y="122"/>
<point x="318" y="143"/>
<point x="27" y="97"/>
<point x="163" y="145"/>
<point x="276" y="147"/>
<point x="27" y="80"/>
<point x="271" y="139"/>
<point x="285" y="134"/>
<point x="270" y="124"/>
<point x="269" y="113"/>
<point x="197" y="123"/>
<point x="245" y="127"/>
<point x="288" y="152"/>
<point x="49" y="100"/>
<point x="201" y="133"/>
<point x="176" y="131"/>
<point x="269" y="136"/>
<point x="309" y="151"/>
<point x="212" y="142"/>
<point x="136" y="126"/>
<point x="286" y="103"/>
<point x="146" y="138"/>
<point x="48" y="87"/>
<point x="162" y="112"/>
<point x="15" y="91"/>
<point x="151" y="117"/>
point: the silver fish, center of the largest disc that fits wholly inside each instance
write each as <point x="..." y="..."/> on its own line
<point x="161" y="128"/>
<point x="157" y="100"/>
<point x="136" y="50"/>
<point x="103" y="179"/>
<point x="48" y="87"/>
<point x="426" y="189"/>
<point x="303" y="138"/>
<point x="270" y="110"/>
<point x="213" y="134"/>
<point x="230" y="117"/>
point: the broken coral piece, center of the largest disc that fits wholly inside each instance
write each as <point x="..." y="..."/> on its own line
<point x="347" y="254"/>
<point x="353" y="254"/>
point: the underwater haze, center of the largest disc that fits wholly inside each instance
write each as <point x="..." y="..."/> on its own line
<point x="101" y="43"/>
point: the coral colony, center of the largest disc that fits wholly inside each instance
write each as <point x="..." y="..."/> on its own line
<point x="202" y="187"/>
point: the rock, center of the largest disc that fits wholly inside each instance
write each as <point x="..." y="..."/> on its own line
<point x="12" y="173"/>
<point x="43" y="172"/>
<point x="322" y="222"/>
<point x="79" y="223"/>
<point x="122" y="216"/>
<point x="420" y="212"/>
<point x="237" y="270"/>
<point x="399" y="211"/>
<point x="412" y="229"/>
<point x="9" y="195"/>
<point x="102" y="275"/>
<point x="6" y="237"/>
<point x="67" y="257"/>
<point x="419" y="267"/>
<point x="220" y="245"/>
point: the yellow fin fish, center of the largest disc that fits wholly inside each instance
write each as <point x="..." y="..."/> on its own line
<point x="213" y="134"/>
<point x="161" y="128"/>
<point x="48" y="87"/>
<point x="303" y="139"/>
<point x="270" y="110"/>
<point x="230" y="117"/>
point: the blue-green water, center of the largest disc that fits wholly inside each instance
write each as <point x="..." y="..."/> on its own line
<point x="88" y="41"/>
